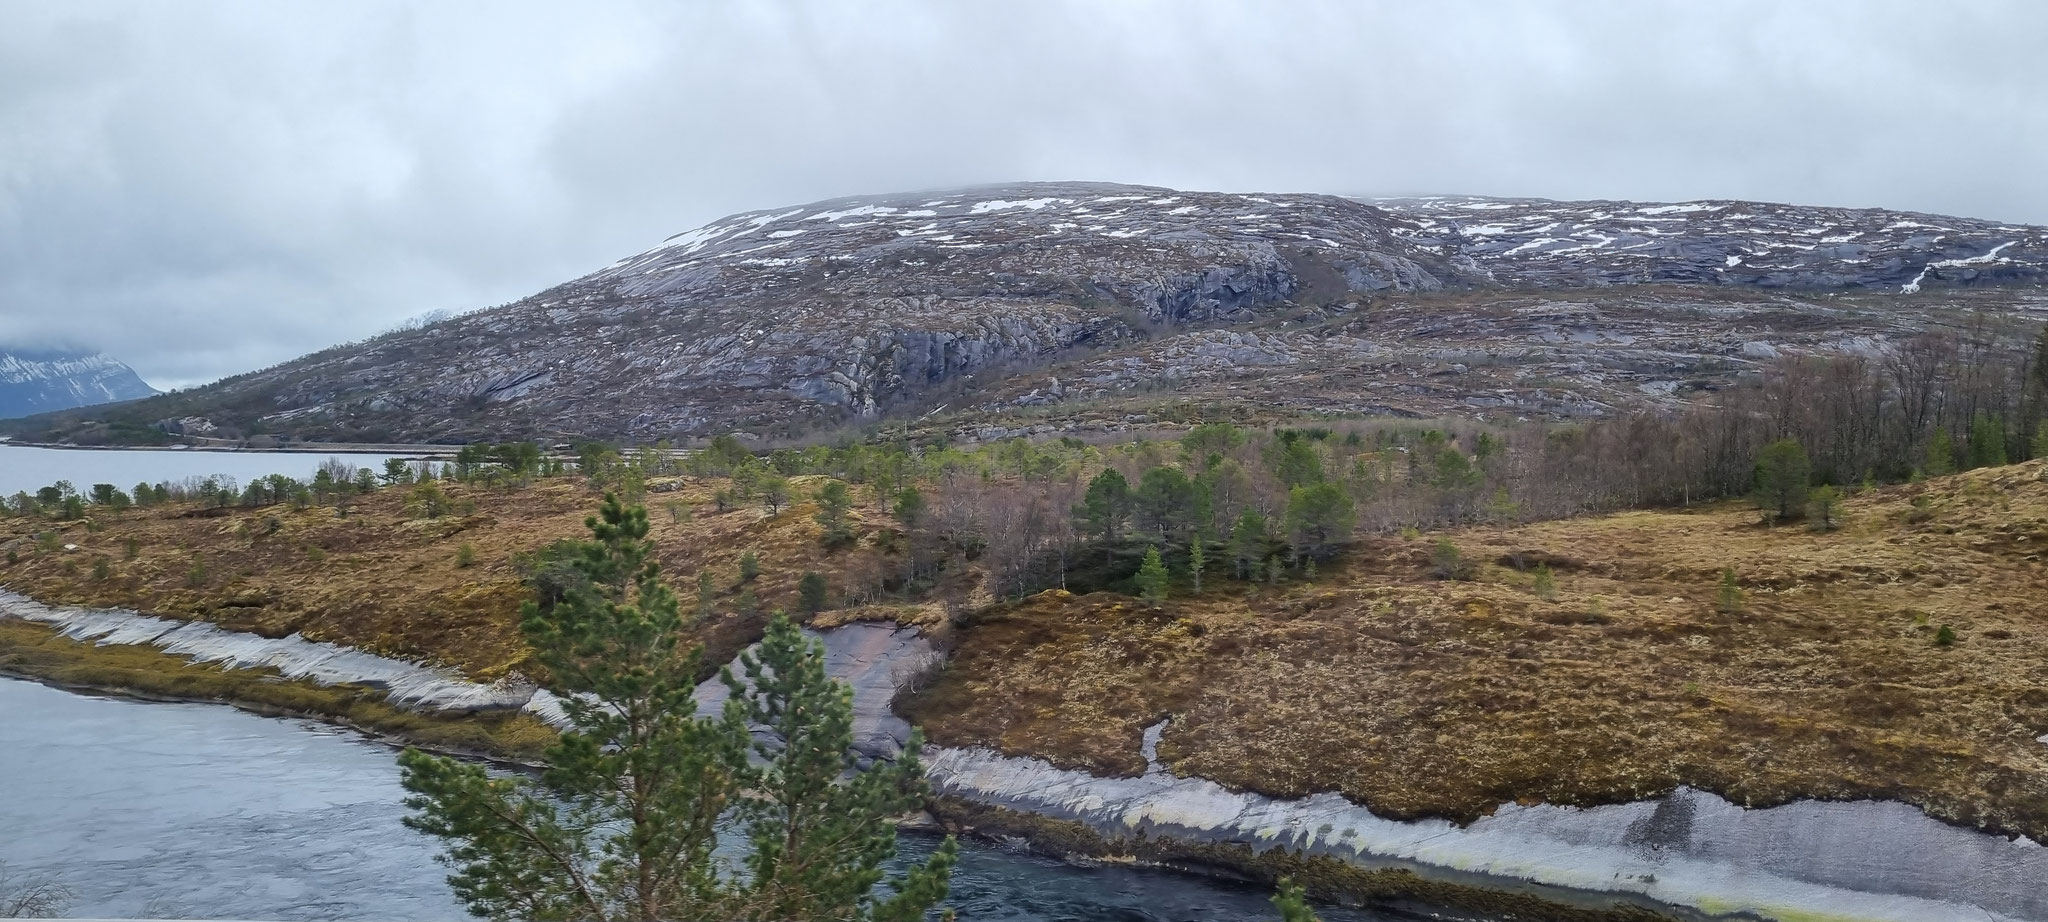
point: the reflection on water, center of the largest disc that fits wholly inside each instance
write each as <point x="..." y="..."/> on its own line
<point x="202" y="811"/>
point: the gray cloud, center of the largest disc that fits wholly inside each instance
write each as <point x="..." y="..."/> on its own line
<point x="202" y="189"/>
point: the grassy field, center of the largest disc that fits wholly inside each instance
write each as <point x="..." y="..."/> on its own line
<point x="1413" y="694"/>
<point x="1424" y="696"/>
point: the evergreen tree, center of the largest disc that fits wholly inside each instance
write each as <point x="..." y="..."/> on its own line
<point x="1987" y="441"/>
<point x="1318" y="516"/>
<point x="1545" y="584"/>
<point x="2040" y="446"/>
<point x="1105" y="506"/>
<point x="1296" y="462"/>
<point x="1941" y="454"/>
<point x="624" y="820"/>
<point x="1151" y="577"/>
<point x="909" y="508"/>
<point x="707" y="595"/>
<point x="1248" y="543"/>
<point x="818" y="845"/>
<point x="1165" y="501"/>
<point x="773" y="488"/>
<point x="1196" y="558"/>
<point x="810" y="592"/>
<point x="1824" y="508"/>
<point x="750" y="566"/>
<point x="622" y="825"/>
<point x="1783" y="478"/>
<point x="1729" y="598"/>
<point x="833" y="502"/>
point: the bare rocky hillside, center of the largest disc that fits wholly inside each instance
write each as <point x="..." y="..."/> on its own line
<point x="1060" y="299"/>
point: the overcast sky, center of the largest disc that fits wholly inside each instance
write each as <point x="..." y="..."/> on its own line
<point x="204" y="188"/>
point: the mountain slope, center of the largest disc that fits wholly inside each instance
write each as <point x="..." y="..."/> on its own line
<point x="791" y="320"/>
<point x="38" y="382"/>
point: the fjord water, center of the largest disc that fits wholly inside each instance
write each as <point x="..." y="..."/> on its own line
<point x="27" y="468"/>
<point x="200" y="811"/>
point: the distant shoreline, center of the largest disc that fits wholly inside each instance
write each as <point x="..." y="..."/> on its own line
<point x="301" y="449"/>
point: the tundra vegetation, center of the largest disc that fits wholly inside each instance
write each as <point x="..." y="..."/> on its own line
<point x="1444" y="611"/>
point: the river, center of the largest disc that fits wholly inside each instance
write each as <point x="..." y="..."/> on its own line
<point x="201" y="811"/>
<point x="25" y="468"/>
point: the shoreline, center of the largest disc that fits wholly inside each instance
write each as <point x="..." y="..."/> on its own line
<point x="1859" y="861"/>
<point x="337" y="448"/>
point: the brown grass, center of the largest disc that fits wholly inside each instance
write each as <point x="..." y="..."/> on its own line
<point x="1423" y="697"/>
<point x="388" y="583"/>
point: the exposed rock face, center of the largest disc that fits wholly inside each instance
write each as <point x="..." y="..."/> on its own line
<point x="1541" y="243"/>
<point x="38" y="382"/>
<point x="791" y="319"/>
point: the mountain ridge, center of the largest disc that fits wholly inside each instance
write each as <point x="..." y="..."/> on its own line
<point x="40" y="381"/>
<point x="790" y="320"/>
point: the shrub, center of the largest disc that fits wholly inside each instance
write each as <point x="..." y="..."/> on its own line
<point x="195" y="576"/>
<point x="1545" y="584"/>
<point x="101" y="570"/>
<point x="810" y="592"/>
<point x="1729" y="598"/>
<point x="750" y="566"/>
<point x="1945" y="637"/>
<point x="1824" y="509"/>
<point x="465" y="555"/>
<point x="130" y="549"/>
<point x="1447" y="562"/>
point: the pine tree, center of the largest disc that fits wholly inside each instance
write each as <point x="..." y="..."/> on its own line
<point x="1783" y="478"/>
<point x="1105" y="506"/>
<point x="1165" y="501"/>
<point x="1545" y="584"/>
<point x="1824" y="508"/>
<point x="1987" y="441"/>
<point x="1151" y="577"/>
<point x="624" y="820"/>
<point x="2040" y="446"/>
<point x="623" y="824"/>
<point x="810" y="592"/>
<point x="1941" y="454"/>
<point x="773" y="489"/>
<point x="834" y="499"/>
<point x="1196" y="559"/>
<point x="750" y="566"/>
<point x="1729" y="599"/>
<point x="909" y="508"/>
<point x="818" y="845"/>
<point x="707" y="595"/>
<point x="1318" y="515"/>
<point x="1248" y="543"/>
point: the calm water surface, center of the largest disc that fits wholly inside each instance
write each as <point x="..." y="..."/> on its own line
<point x="201" y="811"/>
<point x="23" y="468"/>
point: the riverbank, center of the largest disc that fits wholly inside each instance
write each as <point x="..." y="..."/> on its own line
<point x="1684" y="856"/>
<point x="40" y="652"/>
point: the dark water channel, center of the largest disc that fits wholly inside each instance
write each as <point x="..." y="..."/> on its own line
<point x="202" y="811"/>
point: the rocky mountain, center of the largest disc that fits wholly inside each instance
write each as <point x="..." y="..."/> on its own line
<point x="41" y="381"/>
<point x="991" y="301"/>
